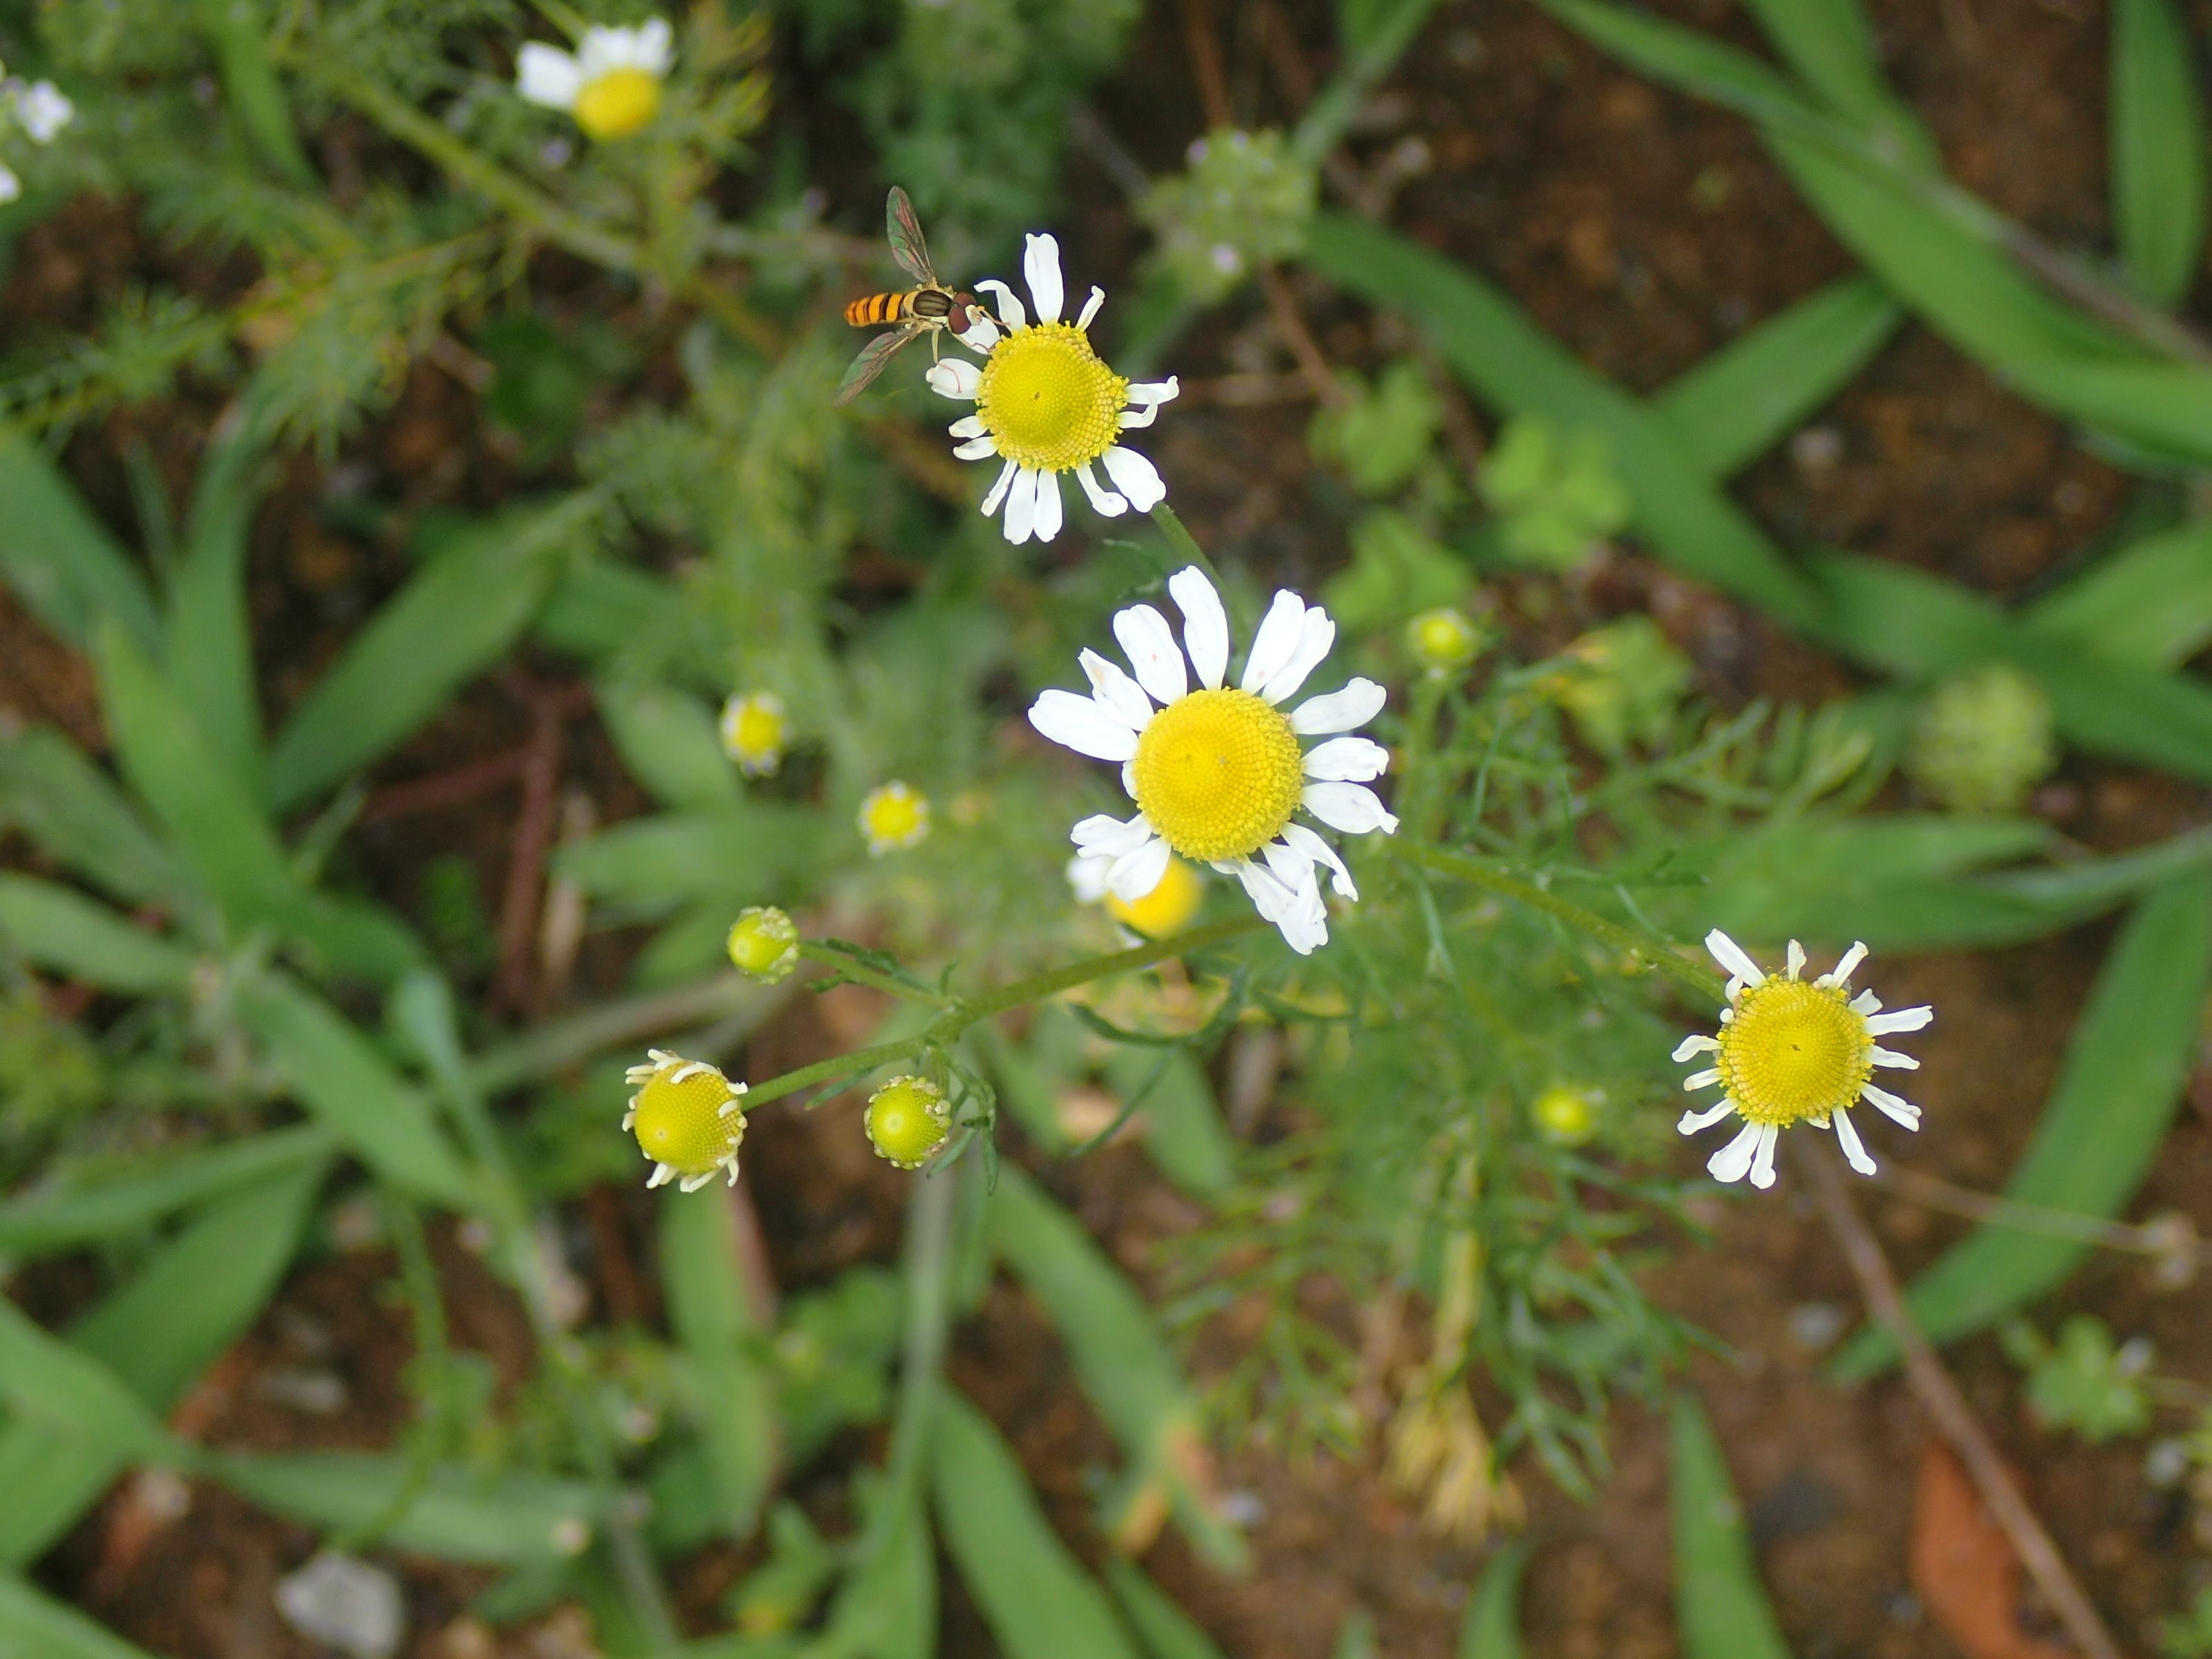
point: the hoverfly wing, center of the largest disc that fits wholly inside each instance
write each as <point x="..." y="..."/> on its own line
<point x="907" y="246"/>
<point x="869" y="363"/>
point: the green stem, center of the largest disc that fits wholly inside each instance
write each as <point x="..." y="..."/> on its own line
<point x="928" y="1323"/>
<point x="1186" y="545"/>
<point x="861" y="1059"/>
<point x="860" y="974"/>
<point x="1651" y="952"/>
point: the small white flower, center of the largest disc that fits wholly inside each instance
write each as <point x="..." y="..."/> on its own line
<point x="755" y="730"/>
<point x="1047" y="404"/>
<point x="10" y="187"/>
<point x="42" y="110"/>
<point x="893" y="817"/>
<point x="1217" y="772"/>
<point x="1792" y="1048"/>
<point x="611" y="84"/>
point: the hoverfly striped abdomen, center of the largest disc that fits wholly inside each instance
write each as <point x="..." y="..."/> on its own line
<point x="931" y="309"/>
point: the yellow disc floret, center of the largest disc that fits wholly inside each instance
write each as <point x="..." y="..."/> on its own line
<point x="908" y="1121"/>
<point x="1566" y="1116"/>
<point x="892" y="817"/>
<point x="1218" y="774"/>
<point x="755" y="728"/>
<point x="687" y="1117"/>
<point x="1794" y="1049"/>
<point x="1047" y="399"/>
<point x="618" y="103"/>
<point x="1167" y="908"/>
<point x="763" y="944"/>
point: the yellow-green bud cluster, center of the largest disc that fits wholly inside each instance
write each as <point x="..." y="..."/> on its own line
<point x="908" y="1121"/>
<point x="1983" y="741"/>
<point x="764" y="944"/>
<point x="1443" y="640"/>
<point x="1242" y="203"/>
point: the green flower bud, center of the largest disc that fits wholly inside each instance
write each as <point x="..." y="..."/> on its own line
<point x="1566" y="1116"/>
<point x="764" y="944"/>
<point x="1443" y="640"/>
<point x="908" y="1121"/>
<point x="1983" y="741"/>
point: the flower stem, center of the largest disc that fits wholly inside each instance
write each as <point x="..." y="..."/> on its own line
<point x="848" y="967"/>
<point x="1186" y="545"/>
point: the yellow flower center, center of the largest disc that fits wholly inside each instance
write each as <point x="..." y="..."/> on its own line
<point x="894" y="816"/>
<point x="907" y="1119"/>
<point x="753" y="730"/>
<point x="683" y="1124"/>
<point x="1218" y="774"/>
<point x="1049" y="400"/>
<point x="1167" y="909"/>
<point x="618" y="103"/>
<point x="1793" y="1050"/>
<point x="1565" y="1116"/>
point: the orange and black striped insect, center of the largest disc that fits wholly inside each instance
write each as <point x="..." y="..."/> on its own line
<point x="929" y="309"/>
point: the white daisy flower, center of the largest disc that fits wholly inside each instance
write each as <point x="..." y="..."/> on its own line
<point x="893" y="817"/>
<point x="755" y="729"/>
<point x="1217" y="772"/>
<point x="1047" y="404"/>
<point x="611" y="83"/>
<point x="42" y="110"/>
<point x="1792" y="1048"/>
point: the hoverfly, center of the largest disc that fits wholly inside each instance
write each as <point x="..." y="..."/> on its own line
<point x="929" y="309"/>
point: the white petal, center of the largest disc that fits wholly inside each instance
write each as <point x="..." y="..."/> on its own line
<point x="1339" y="711"/>
<point x="1135" y="478"/>
<point x="1891" y="1058"/>
<point x="1277" y="637"/>
<point x="1129" y="779"/>
<point x="968" y="426"/>
<point x="1695" y="1044"/>
<point x="954" y="377"/>
<point x="1041" y="266"/>
<point x="1082" y="725"/>
<point x="1352" y="807"/>
<point x="1091" y="307"/>
<point x="1022" y="507"/>
<point x="1135" y="420"/>
<point x="999" y="489"/>
<point x="1136" y="873"/>
<point x="43" y="109"/>
<point x="11" y="187"/>
<point x="1291" y="867"/>
<point x="661" y="1175"/>
<point x="1299" y="915"/>
<point x="1149" y="392"/>
<point x="1865" y="1002"/>
<point x="1050" y="506"/>
<point x="1731" y="956"/>
<point x="1205" y="625"/>
<point x="1354" y="760"/>
<point x="1315" y="637"/>
<point x="1795" y="957"/>
<point x="1899" y="1019"/>
<point x="1697" y="1080"/>
<point x="1086" y="874"/>
<point x="653" y="47"/>
<point x="1102" y="835"/>
<point x="546" y="75"/>
<point x="1322" y="852"/>
<point x="1904" y="1111"/>
<point x="1844" y="966"/>
<point x="1733" y="1161"/>
<point x="976" y="449"/>
<point x="1694" y="1120"/>
<point x="1855" y="1152"/>
<point x="1762" y="1165"/>
<point x="1115" y="691"/>
<point x="1103" y="502"/>
<point x="1011" y="314"/>
<point x="1145" y="635"/>
<point x="982" y="334"/>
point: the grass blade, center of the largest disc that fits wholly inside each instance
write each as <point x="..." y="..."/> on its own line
<point x="1038" y="1602"/>
<point x="458" y="1515"/>
<point x="2108" y="1115"/>
<point x="56" y="1390"/>
<point x="1163" y="1630"/>
<point x="2157" y="147"/>
<point x="451" y="622"/>
<point x="2149" y="605"/>
<point x="1831" y="45"/>
<point x="78" y="817"/>
<point x="34" y="1626"/>
<point x="63" y="931"/>
<point x="1493" y="1629"/>
<point x="1184" y="1134"/>
<point x="209" y="653"/>
<point x="732" y="1398"/>
<point x="1720" y="1608"/>
<point x="43" y="1222"/>
<point x="668" y="739"/>
<point x="597" y="607"/>
<point x="236" y="30"/>
<point x="59" y="559"/>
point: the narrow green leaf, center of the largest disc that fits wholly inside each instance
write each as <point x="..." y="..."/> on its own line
<point x="1720" y="1608"/>
<point x="1038" y="1602"/>
<point x="459" y="1515"/>
<point x="745" y="854"/>
<point x="1163" y="1630"/>
<point x="55" y="1388"/>
<point x="343" y="1081"/>
<point x="2118" y="1089"/>
<point x="1492" y="1627"/>
<point x="668" y="739"/>
<point x="239" y="32"/>
<point x="1831" y="44"/>
<point x="154" y="1337"/>
<point x="2149" y="605"/>
<point x="209" y="654"/>
<point x="50" y="1219"/>
<point x="63" y="931"/>
<point x="733" y="1398"/>
<point x="597" y="607"/>
<point x="1183" y="1131"/>
<point x="2158" y="159"/>
<point x="451" y="622"/>
<point x="1759" y="388"/>
<point x="59" y="559"/>
<point x="35" y="1627"/>
<point x="77" y="817"/>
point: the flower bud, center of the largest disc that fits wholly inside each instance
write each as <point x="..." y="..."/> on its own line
<point x="1443" y="640"/>
<point x="764" y="944"/>
<point x="1566" y="1116"/>
<point x="1983" y="741"/>
<point x="908" y="1121"/>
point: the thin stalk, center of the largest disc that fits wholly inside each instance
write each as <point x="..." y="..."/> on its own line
<point x="860" y="974"/>
<point x="1932" y="1192"/>
<point x="1186" y="545"/>
<point x="928" y="1327"/>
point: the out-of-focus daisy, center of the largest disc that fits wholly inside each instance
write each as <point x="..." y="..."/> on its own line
<point x="611" y="83"/>
<point x="1166" y="910"/>
<point x="892" y="817"/>
<point x="755" y="729"/>
<point x="1217" y="771"/>
<point x="1793" y="1049"/>
<point x="687" y="1119"/>
<point x="41" y="109"/>
<point x="1047" y="404"/>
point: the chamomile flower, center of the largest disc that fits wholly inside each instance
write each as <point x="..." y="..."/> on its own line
<point x="1217" y="772"/>
<point x="756" y="729"/>
<point x="1166" y="910"/>
<point x="907" y="1119"/>
<point x="893" y="817"/>
<point x="611" y="83"/>
<point x="1793" y="1049"/>
<point x="687" y="1119"/>
<point x="1047" y="404"/>
<point x="41" y="109"/>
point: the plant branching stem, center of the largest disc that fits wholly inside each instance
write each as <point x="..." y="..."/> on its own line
<point x="860" y="974"/>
